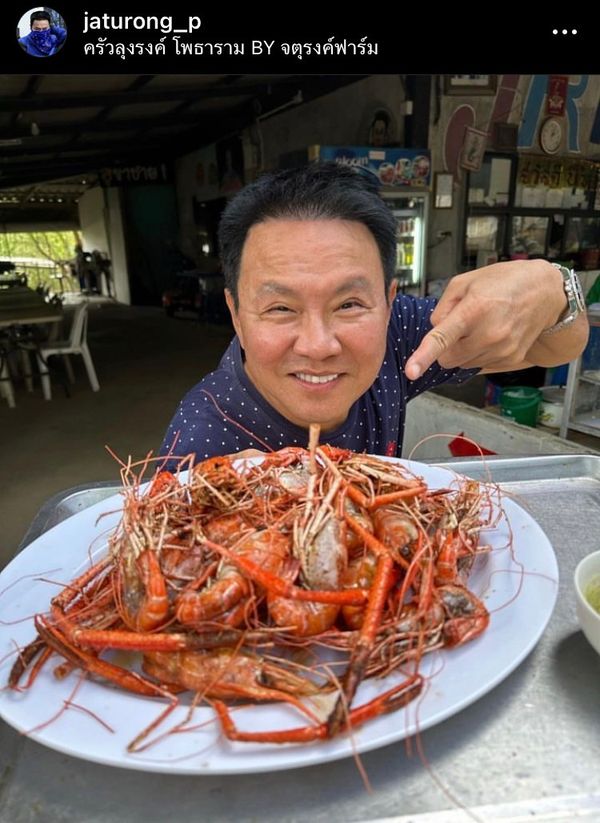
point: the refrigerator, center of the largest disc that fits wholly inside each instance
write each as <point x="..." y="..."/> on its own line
<point x="410" y="211"/>
<point x="404" y="177"/>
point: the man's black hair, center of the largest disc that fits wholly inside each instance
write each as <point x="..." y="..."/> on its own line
<point x="319" y="191"/>
<point x="39" y="15"/>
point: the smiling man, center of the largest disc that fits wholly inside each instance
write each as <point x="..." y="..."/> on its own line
<point x="321" y="337"/>
<point x="310" y="310"/>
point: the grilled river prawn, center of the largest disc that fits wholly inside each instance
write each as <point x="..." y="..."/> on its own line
<point x="222" y="581"/>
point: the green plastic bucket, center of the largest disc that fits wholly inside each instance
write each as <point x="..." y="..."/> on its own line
<point x="521" y="404"/>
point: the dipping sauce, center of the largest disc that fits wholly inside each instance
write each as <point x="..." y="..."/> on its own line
<point x="592" y="592"/>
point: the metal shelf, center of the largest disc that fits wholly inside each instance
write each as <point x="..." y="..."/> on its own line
<point x="585" y="422"/>
<point x="579" y="424"/>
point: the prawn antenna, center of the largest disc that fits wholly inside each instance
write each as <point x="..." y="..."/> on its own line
<point x="235" y="422"/>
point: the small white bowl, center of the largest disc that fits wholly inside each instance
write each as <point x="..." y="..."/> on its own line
<point x="589" y="618"/>
<point x="551" y="407"/>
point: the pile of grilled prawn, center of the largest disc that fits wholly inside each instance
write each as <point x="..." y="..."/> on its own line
<point x="226" y="576"/>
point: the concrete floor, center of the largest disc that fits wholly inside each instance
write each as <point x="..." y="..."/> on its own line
<point x="145" y="363"/>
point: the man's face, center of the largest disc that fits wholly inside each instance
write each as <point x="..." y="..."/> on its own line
<point x="40" y="25"/>
<point x="312" y="316"/>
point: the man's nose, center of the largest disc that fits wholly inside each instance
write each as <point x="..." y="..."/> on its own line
<point x="317" y="338"/>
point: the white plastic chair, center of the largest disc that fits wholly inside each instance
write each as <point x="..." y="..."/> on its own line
<point x="76" y="344"/>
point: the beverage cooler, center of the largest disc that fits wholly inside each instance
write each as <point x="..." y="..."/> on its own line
<point x="404" y="176"/>
<point x="410" y="211"/>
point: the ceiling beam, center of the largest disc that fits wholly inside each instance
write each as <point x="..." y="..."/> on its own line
<point x="31" y="88"/>
<point x="24" y="166"/>
<point x="136" y="85"/>
<point x="13" y="155"/>
<point x="311" y="88"/>
<point x="40" y="177"/>
<point x="68" y="129"/>
<point x="125" y="98"/>
<point x="240" y="117"/>
<point x="141" y="81"/>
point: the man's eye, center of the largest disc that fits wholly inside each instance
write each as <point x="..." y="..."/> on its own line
<point x="278" y="309"/>
<point x="351" y="304"/>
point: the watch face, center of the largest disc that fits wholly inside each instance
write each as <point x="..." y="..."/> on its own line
<point x="551" y="135"/>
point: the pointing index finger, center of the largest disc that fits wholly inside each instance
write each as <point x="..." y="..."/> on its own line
<point x="441" y="338"/>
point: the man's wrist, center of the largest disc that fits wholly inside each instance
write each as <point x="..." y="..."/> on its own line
<point x="573" y="303"/>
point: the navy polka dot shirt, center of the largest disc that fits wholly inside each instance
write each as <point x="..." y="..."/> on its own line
<point x="224" y="413"/>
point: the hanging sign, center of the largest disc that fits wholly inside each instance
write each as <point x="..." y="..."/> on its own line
<point x="135" y="175"/>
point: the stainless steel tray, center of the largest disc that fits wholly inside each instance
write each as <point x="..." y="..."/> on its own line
<point x="64" y="504"/>
<point x="530" y="749"/>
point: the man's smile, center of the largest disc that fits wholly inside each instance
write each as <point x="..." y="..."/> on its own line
<point x="304" y="377"/>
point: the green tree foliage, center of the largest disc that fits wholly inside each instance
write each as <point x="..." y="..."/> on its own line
<point x="56" y="246"/>
<point x="40" y="249"/>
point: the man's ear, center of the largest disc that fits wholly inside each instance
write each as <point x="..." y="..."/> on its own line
<point x="393" y="291"/>
<point x="234" y="315"/>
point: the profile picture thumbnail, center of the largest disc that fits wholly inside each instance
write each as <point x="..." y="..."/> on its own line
<point x="41" y="32"/>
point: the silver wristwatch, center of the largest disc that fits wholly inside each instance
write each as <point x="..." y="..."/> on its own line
<point x="576" y="302"/>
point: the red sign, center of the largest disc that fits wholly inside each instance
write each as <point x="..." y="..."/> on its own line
<point x="557" y="94"/>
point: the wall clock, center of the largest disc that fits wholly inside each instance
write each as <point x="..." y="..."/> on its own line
<point x="551" y="135"/>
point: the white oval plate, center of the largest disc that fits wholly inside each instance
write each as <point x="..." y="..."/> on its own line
<point x="519" y="586"/>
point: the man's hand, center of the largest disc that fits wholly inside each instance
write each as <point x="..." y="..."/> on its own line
<point x="492" y="319"/>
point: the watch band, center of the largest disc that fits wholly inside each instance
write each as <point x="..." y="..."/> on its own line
<point x="575" y="300"/>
